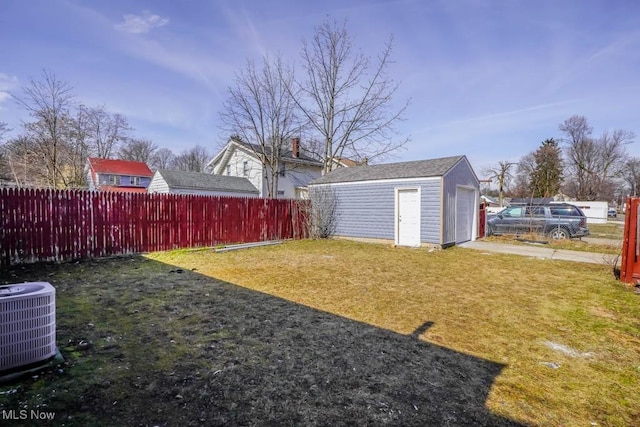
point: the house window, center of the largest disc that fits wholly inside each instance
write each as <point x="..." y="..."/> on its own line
<point x="245" y="168"/>
<point x="280" y="193"/>
<point x="282" y="171"/>
<point x="228" y="169"/>
<point x="135" y="180"/>
<point x="114" y="179"/>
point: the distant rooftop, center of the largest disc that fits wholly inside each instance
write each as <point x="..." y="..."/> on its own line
<point x="120" y="167"/>
<point x="206" y="181"/>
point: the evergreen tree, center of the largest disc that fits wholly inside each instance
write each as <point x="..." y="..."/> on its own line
<point x="547" y="175"/>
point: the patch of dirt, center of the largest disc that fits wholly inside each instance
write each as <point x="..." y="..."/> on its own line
<point x="147" y="345"/>
<point x="602" y="312"/>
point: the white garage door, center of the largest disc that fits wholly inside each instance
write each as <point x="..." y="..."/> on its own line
<point x="465" y="214"/>
<point x="408" y="217"/>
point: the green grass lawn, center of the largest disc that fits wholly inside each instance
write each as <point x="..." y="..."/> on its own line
<point x="338" y="332"/>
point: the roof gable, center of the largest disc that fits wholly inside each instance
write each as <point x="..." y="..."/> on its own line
<point x="412" y="169"/>
<point x="119" y="167"/>
<point x="206" y="181"/>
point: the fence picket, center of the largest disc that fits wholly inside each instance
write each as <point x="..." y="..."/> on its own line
<point x="61" y="225"/>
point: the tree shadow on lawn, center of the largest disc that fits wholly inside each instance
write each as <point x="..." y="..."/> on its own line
<point x="173" y="347"/>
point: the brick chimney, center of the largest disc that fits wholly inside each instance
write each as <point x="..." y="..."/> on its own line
<point x="295" y="147"/>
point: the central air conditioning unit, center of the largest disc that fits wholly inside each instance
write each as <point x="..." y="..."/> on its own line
<point x="27" y="325"/>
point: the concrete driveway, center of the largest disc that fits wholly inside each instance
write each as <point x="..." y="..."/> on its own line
<point x="543" y="252"/>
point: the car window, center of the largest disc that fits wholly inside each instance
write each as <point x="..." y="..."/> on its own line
<point x="513" y="212"/>
<point x="537" y="211"/>
<point x="564" y="211"/>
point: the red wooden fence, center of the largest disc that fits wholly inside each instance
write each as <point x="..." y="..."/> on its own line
<point x="630" y="263"/>
<point x="482" y="220"/>
<point x="54" y="225"/>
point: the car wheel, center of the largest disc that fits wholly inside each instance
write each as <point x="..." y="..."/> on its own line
<point x="489" y="231"/>
<point x="559" y="234"/>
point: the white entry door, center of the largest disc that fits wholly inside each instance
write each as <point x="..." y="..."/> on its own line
<point x="465" y="214"/>
<point x="408" y="217"/>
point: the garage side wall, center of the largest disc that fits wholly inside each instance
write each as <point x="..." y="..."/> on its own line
<point x="461" y="174"/>
<point x="367" y="209"/>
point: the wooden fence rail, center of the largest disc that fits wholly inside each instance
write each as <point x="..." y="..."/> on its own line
<point x="60" y="225"/>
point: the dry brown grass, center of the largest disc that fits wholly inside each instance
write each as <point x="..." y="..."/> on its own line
<point x="568" y="333"/>
<point x="610" y="230"/>
<point x="146" y="343"/>
<point x="613" y="248"/>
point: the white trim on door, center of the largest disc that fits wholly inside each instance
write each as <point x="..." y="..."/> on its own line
<point x="407" y="233"/>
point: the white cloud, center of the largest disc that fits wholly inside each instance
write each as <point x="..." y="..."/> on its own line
<point x="6" y="84"/>
<point x="138" y="24"/>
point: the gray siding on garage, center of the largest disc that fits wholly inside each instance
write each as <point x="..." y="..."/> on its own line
<point x="367" y="209"/>
<point x="366" y="196"/>
<point x="460" y="175"/>
<point x="430" y="216"/>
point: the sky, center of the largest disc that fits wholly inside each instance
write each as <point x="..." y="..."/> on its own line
<point x="489" y="79"/>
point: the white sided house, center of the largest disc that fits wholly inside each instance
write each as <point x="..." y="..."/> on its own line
<point x="426" y="202"/>
<point x="241" y="159"/>
<point x="202" y="184"/>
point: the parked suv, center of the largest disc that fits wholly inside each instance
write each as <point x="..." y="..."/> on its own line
<point x="556" y="220"/>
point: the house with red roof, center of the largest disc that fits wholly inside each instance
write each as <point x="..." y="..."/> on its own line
<point x="118" y="175"/>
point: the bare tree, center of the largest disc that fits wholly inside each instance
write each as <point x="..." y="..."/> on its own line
<point x="347" y="99"/>
<point x="76" y="150"/>
<point x="631" y="175"/>
<point x="193" y="160"/>
<point x="104" y="131"/>
<point x="592" y="163"/>
<point x="4" y="129"/>
<point x="162" y="159"/>
<point x="48" y="103"/>
<point x="260" y="112"/>
<point x="580" y="152"/>
<point x="524" y="173"/>
<point x="502" y="174"/>
<point x="21" y="162"/>
<point x="612" y="147"/>
<point x="323" y="211"/>
<point x="4" y="170"/>
<point x="141" y="150"/>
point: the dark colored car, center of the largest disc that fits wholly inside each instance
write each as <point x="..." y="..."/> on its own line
<point x="556" y="220"/>
<point x="612" y="213"/>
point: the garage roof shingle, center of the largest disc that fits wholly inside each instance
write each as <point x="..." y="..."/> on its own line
<point x="412" y="169"/>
